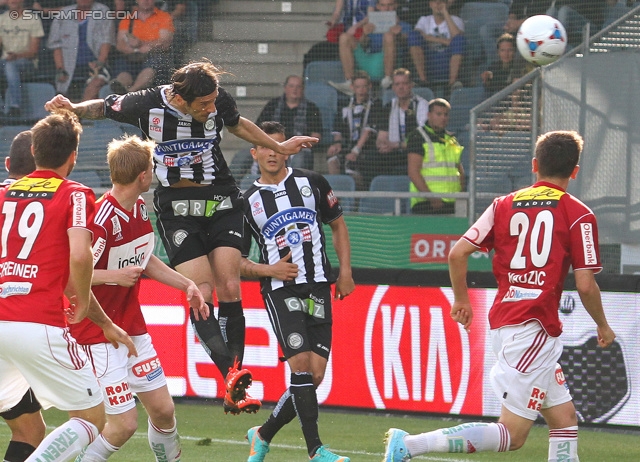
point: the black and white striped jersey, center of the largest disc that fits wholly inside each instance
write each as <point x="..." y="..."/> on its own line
<point x="288" y="217"/>
<point x="185" y="147"/>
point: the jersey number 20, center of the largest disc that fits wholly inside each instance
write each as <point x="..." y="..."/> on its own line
<point x="539" y="250"/>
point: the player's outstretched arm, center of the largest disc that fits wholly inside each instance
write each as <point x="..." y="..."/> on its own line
<point x="461" y="310"/>
<point x="250" y="132"/>
<point x="283" y="270"/>
<point x="589" y="292"/>
<point x="160" y="272"/>
<point x="91" y="109"/>
<point x="344" y="284"/>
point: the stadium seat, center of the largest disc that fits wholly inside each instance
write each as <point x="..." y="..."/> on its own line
<point x="483" y="23"/>
<point x="462" y="100"/>
<point x="326" y="98"/>
<point x="88" y="178"/>
<point x="343" y="183"/>
<point x="34" y="95"/>
<point x="241" y="162"/>
<point x="92" y="151"/>
<point x="425" y="92"/>
<point x="7" y="134"/>
<point x="383" y="205"/>
<point x="247" y="181"/>
<point x="323" y="71"/>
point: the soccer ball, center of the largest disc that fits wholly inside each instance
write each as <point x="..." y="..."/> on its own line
<point x="541" y="39"/>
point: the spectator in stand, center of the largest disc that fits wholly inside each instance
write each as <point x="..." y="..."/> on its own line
<point x="509" y="68"/>
<point x="523" y="9"/>
<point x="183" y="13"/>
<point x="353" y="134"/>
<point x="144" y="44"/>
<point x="299" y="117"/>
<point x="81" y="46"/>
<point x="437" y="48"/>
<point x="404" y="113"/>
<point x="20" y="40"/>
<point x="434" y="162"/>
<point x="350" y="12"/>
<point x="372" y="51"/>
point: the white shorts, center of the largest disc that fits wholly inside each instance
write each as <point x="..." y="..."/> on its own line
<point x="527" y="376"/>
<point x="49" y="360"/>
<point x="120" y="377"/>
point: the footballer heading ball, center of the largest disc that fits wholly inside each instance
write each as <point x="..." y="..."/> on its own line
<point x="541" y="39"/>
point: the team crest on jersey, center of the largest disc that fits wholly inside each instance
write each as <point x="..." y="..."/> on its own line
<point x="144" y="213"/>
<point x="540" y="196"/>
<point x="115" y="224"/>
<point x="305" y="191"/>
<point x="209" y="124"/>
<point x="117" y="104"/>
<point x="293" y="237"/>
<point x="179" y="237"/>
<point x="31" y="188"/>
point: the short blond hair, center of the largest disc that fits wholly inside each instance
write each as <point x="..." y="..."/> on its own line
<point x="128" y="157"/>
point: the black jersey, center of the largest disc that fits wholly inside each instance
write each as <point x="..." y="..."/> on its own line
<point x="185" y="147"/>
<point x="288" y="217"/>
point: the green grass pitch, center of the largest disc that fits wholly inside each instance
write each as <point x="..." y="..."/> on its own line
<point x="208" y="435"/>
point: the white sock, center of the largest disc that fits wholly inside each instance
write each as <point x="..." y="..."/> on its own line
<point x="563" y="444"/>
<point x="165" y="444"/>
<point x="65" y="442"/>
<point x="465" y="438"/>
<point x="98" y="451"/>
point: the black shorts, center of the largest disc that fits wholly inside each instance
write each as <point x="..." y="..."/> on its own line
<point x="194" y="221"/>
<point x="301" y="318"/>
<point x="27" y="405"/>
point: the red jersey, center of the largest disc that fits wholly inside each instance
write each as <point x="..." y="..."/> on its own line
<point x="121" y="238"/>
<point x="36" y="213"/>
<point x="537" y="233"/>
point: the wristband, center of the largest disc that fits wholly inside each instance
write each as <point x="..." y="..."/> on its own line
<point x="61" y="73"/>
<point x="355" y="149"/>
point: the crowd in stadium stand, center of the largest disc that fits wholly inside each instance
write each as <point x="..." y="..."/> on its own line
<point x="435" y="46"/>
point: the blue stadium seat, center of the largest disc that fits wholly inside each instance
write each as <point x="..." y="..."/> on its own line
<point x="382" y="205"/>
<point x="425" y="92"/>
<point x="323" y="71"/>
<point x="92" y="151"/>
<point x="241" y="163"/>
<point x="247" y="181"/>
<point x="326" y="98"/>
<point x="343" y="183"/>
<point x="34" y="95"/>
<point x="7" y="134"/>
<point x="483" y="24"/>
<point x="88" y="178"/>
<point x="462" y="100"/>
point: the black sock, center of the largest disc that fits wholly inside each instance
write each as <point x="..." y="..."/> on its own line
<point x="305" y="402"/>
<point x="232" y="325"/>
<point x="17" y="451"/>
<point x="282" y="414"/>
<point x="211" y="339"/>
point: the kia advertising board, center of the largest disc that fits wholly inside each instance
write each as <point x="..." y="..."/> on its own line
<point x="396" y="348"/>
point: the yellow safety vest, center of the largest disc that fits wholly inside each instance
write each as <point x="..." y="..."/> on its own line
<point x="439" y="165"/>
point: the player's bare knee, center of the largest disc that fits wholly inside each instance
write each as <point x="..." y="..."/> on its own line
<point x="318" y="377"/>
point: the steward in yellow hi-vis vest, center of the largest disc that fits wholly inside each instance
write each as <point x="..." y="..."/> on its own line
<point x="434" y="162"/>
